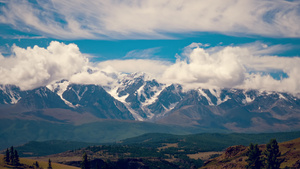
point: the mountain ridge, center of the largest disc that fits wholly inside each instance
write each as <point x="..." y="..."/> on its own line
<point x="138" y="104"/>
<point x="139" y="97"/>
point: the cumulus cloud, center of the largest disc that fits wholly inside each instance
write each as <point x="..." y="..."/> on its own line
<point x="97" y="77"/>
<point x="102" y="19"/>
<point x="288" y="65"/>
<point x="235" y="67"/>
<point x="33" y="67"/>
<point x="223" y="68"/>
<point x="247" y="66"/>
<point x="37" y="66"/>
<point x="29" y="67"/>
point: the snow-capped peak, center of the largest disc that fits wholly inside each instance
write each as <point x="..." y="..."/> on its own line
<point x="12" y="92"/>
<point x="59" y="88"/>
<point x="137" y="89"/>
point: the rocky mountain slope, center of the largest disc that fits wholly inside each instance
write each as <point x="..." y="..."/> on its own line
<point x="139" y="97"/>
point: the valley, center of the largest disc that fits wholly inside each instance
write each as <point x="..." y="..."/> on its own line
<point x="157" y="150"/>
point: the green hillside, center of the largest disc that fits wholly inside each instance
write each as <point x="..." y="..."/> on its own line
<point x="165" y="150"/>
<point x="208" y="141"/>
<point x="39" y="148"/>
<point x="190" y="144"/>
<point x="16" y="132"/>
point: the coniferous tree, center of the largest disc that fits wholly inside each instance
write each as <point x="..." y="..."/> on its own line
<point x="12" y="155"/>
<point x="7" y="157"/>
<point x="85" y="163"/>
<point x="49" y="164"/>
<point x="16" y="158"/>
<point x="254" y="160"/>
<point x="272" y="153"/>
<point x="37" y="164"/>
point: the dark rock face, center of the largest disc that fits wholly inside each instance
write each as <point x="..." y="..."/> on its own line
<point x="237" y="110"/>
<point x="82" y="98"/>
<point x="95" y="99"/>
<point x="42" y="98"/>
<point x="167" y="98"/>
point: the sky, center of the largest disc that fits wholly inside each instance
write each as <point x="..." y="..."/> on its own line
<point x="249" y="44"/>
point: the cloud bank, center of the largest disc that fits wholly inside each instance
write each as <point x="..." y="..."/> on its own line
<point x="33" y="67"/>
<point x="216" y="67"/>
<point x="235" y="67"/>
<point x="148" y="19"/>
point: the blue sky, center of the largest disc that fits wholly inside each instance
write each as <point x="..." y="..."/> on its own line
<point x="161" y="48"/>
<point x="244" y="44"/>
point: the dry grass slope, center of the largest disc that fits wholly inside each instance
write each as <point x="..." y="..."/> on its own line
<point x="29" y="162"/>
<point x="235" y="156"/>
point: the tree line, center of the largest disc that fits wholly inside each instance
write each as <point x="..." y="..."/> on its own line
<point x="269" y="159"/>
<point x="11" y="157"/>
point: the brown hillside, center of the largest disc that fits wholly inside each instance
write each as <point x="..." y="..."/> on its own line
<point x="27" y="164"/>
<point x="235" y="156"/>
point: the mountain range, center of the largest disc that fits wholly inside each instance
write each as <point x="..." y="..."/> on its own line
<point x="138" y="97"/>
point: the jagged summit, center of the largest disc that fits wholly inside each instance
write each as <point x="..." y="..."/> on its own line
<point x="10" y="94"/>
<point x="139" y="97"/>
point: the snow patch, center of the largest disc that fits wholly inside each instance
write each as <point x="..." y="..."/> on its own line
<point x="114" y="93"/>
<point x="282" y="97"/>
<point x="140" y="91"/>
<point x="135" y="115"/>
<point x="13" y="96"/>
<point x="157" y="92"/>
<point x="78" y="93"/>
<point x="202" y="93"/>
<point x="172" y="106"/>
<point x="217" y="94"/>
<point x="60" y="88"/>
<point x="247" y="99"/>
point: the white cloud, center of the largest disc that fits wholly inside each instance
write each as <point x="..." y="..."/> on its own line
<point x="259" y="48"/>
<point x="290" y="66"/>
<point x="201" y="69"/>
<point x="152" y="67"/>
<point x="235" y="67"/>
<point x="142" y="53"/>
<point x="223" y="67"/>
<point x="33" y="67"/>
<point x="101" y="19"/>
<point x="98" y="77"/>
<point x="41" y="17"/>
